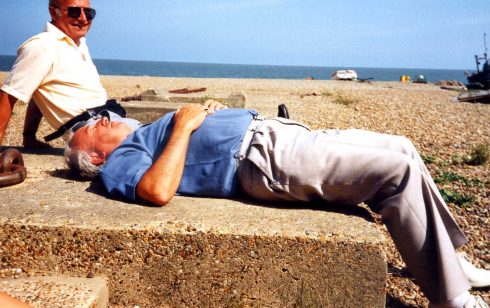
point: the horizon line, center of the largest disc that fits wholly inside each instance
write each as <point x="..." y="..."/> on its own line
<point x="283" y="65"/>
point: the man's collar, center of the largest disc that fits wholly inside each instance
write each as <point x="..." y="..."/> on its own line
<point x="60" y="35"/>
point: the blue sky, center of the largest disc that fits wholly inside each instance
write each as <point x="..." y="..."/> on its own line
<point x="377" y="33"/>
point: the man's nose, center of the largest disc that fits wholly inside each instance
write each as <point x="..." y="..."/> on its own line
<point x="104" y="121"/>
<point x="82" y="16"/>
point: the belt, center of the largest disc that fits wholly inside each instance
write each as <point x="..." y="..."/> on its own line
<point x="247" y="138"/>
<point x="110" y="105"/>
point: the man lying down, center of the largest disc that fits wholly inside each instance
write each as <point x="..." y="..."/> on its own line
<point x="209" y="150"/>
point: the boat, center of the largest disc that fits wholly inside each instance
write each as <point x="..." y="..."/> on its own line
<point x="344" y="75"/>
<point x="420" y="79"/>
<point x="481" y="78"/>
<point x="479" y="96"/>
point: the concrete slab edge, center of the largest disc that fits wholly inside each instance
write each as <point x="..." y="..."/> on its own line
<point x="58" y="291"/>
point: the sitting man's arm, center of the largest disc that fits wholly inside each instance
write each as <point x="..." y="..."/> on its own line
<point x="7" y="103"/>
<point x="160" y="183"/>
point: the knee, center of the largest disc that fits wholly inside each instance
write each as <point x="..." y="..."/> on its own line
<point x="400" y="174"/>
<point x="406" y="146"/>
<point x="406" y="167"/>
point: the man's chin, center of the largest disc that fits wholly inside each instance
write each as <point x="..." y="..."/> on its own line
<point x="76" y="36"/>
<point x="80" y="31"/>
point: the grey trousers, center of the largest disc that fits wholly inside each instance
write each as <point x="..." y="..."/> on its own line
<point x="287" y="161"/>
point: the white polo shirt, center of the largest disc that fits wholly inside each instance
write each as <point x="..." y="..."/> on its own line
<point x="59" y="75"/>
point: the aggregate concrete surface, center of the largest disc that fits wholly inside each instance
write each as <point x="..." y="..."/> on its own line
<point x="58" y="291"/>
<point x="194" y="251"/>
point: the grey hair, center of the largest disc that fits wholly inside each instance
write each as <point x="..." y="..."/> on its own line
<point x="78" y="160"/>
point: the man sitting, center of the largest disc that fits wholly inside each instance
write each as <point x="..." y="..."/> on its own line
<point x="55" y="75"/>
<point x="211" y="151"/>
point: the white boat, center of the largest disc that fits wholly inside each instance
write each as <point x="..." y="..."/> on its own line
<point x="344" y="75"/>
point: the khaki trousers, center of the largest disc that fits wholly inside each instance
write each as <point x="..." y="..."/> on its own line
<point x="287" y="161"/>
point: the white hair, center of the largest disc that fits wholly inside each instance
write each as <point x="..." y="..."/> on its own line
<point x="79" y="161"/>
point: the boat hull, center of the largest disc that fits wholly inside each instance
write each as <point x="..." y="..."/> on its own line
<point x="344" y="75"/>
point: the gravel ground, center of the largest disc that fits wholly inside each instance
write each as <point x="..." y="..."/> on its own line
<point x="445" y="132"/>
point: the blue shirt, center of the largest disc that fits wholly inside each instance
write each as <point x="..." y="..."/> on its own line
<point x="210" y="164"/>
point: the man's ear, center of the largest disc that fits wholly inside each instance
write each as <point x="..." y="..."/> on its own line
<point x="97" y="158"/>
<point x="54" y="12"/>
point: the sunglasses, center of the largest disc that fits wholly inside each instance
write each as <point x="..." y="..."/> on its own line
<point x="75" y="12"/>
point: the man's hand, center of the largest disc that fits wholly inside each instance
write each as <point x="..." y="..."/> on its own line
<point x="213" y="105"/>
<point x="161" y="181"/>
<point x="190" y="117"/>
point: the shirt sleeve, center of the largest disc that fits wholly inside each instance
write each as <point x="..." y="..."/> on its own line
<point x="123" y="171"/>
<point x="33" y="63"/>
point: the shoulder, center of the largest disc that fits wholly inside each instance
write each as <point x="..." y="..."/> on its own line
<point x="40" y="45"/>
<point x="42" y="38"/>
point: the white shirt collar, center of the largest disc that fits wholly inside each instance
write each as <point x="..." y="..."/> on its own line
<point x="50" y="28"/>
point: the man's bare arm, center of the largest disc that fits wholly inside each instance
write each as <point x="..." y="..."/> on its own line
<point x="7" y="103"/>
<point x="161" y="181"/>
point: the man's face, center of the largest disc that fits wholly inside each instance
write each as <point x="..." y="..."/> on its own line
<point x="74" y="28"/>
<point x="101" y="138"/>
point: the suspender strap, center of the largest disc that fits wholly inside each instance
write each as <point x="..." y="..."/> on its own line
<point x="247" y="138"/>
<point x="110" y="105"/>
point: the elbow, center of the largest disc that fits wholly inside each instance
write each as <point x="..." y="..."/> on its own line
<point x="154" y="195"/>
<point x="161" y="199"/>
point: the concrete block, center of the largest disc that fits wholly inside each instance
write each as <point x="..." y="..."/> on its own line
<point x="155" y="95"/>
<point x="149" y="111"/>
<point x="236" y="100"/>
<point x="162" y="95"/>
<point x="58" y="291"/>
<point x="192" y="252"/>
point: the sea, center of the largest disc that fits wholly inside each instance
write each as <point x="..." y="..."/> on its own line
<point x="213" y="70"/>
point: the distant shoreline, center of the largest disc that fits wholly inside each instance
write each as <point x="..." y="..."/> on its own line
<point x="276" y="65"/>
<point x="245" y="71"/>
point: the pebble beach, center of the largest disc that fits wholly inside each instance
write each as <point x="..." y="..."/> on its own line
<point x="446" y="132"/>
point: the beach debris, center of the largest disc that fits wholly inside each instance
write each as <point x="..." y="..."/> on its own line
<point x="481" y="96"/>
<point x="236" y="100"/>
<point x="449" y="83"/>
<point x="452" y="85"/>
<point x="186" y="90"/>
<point x="344" y="75"/>
<point x="365" y="80"/>
<point x="309" y="94"/>
<point x="404" y="78"/>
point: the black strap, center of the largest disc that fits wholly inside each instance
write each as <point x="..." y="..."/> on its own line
<point x="111" y="105"/>
<point x="114" y="106"/>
